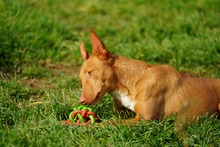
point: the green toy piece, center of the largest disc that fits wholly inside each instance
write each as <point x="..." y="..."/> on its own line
<point x="82" y="115"/>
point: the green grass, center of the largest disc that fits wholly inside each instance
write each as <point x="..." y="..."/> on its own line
<point x="40" y="62"/>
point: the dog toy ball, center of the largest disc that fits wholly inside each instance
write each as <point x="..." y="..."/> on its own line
<point x="82" y="115"/>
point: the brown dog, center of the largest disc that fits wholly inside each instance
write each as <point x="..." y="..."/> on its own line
<point x="151" y="91"/>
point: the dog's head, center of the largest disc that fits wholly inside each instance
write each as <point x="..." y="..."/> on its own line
<point x="96" y="75"/>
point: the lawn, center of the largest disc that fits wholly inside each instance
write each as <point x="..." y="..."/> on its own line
<point x="40" y="63"/>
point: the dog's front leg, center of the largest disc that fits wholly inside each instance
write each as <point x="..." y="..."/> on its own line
<point x="124" y="113"/>
<point x="131" y="121"/>
<point x="121" y="110"/>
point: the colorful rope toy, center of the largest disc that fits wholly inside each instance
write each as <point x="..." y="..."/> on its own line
<point x="82" y="115"/>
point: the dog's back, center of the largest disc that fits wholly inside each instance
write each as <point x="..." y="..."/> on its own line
<point x="197" y="96"/>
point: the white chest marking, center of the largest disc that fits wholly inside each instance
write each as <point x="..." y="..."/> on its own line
<point x="124" y="99"/>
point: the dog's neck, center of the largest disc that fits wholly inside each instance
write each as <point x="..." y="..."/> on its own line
<point x="128" y="72"/>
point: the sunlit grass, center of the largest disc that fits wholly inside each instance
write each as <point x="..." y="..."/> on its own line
<point x="40" y="62"/>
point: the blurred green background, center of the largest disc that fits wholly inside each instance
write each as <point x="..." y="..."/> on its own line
<point x="184" y="34"/>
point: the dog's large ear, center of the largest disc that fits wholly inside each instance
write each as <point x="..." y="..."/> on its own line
<point x="83" y="51"/>
<point x="98" y="48"/>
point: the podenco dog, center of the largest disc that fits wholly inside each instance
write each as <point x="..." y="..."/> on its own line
<point x="151" y="91"/>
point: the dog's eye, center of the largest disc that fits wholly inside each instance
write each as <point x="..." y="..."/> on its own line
<point x="88" y="73"/>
